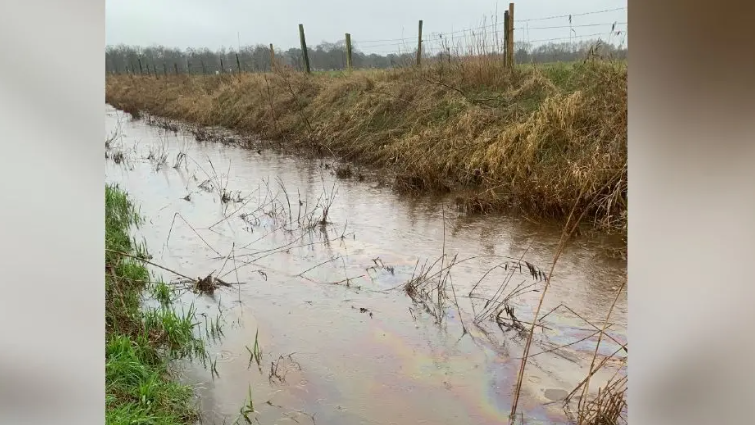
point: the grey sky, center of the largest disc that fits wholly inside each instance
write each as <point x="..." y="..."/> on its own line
<point x="219" y="23"/>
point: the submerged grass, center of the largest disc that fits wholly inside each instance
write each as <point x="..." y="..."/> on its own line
<point x="140" y="341"/>
<point x="530" y="138"/>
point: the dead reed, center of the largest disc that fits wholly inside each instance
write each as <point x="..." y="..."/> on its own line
<point x="608" y="407"/>
<point x="431" y="289"/>
<point x="528" y="138"/>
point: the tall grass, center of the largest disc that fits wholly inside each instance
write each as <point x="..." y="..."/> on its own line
<point x="140" y="342"/>
<point x="528" y="138"/>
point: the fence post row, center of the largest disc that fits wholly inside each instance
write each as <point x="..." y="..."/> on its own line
<point x="508" y="52"/>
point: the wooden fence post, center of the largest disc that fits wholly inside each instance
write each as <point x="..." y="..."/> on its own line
<point x="141" y="71"/>
<point x="511" y="36"/>
<point x="506" y="38"/>
<point x="204" y="70"/>
<point x="419" y="44"/>
<point x="188" y="66"/>
<point x="304" y="52"/>
<point x="348" y="51"/>
<point x="165" y="69"/>
<point x="175" y="66"/>
<point x="238" y="62"/>
<point x="272" y="57"/>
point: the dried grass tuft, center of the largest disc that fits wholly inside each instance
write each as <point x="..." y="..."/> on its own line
<point x="528" y="138"/>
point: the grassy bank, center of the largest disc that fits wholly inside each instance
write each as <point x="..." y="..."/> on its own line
<point x="539" y="138"/>
<point x="140" y="341"/>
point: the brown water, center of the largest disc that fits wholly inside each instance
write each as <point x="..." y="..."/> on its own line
<point x="391" y="363"/>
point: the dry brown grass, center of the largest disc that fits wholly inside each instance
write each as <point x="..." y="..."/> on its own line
<point x="531" y="138"/>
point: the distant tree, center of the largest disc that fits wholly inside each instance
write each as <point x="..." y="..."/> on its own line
<point x="324" y="56"/>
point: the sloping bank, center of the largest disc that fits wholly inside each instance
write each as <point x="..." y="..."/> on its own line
<point x="139" y="341"/>
<point x="539" y="139"/>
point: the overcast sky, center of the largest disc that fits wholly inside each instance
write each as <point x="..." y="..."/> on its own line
<point x="228" y="23"/>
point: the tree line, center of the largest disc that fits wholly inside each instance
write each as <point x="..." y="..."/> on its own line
<point x="325" y="56"/>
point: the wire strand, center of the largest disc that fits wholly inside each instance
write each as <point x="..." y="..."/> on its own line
<point x="441" y="35"/>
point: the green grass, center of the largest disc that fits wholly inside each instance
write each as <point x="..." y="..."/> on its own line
<point x="141" y="341"/>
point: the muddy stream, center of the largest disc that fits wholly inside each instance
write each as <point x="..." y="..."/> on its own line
<point x="341" y="340"/>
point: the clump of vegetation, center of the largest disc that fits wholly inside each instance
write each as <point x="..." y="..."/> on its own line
<point x="139" y="342"/>
<point x="344" y="171"/>
<point x="539" y="138"/>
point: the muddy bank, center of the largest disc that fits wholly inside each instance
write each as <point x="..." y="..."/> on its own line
<point x="538" y="139"/>
<point x="341" y="335"/>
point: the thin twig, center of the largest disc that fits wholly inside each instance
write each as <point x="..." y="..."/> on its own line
<point x="150" y="263"/>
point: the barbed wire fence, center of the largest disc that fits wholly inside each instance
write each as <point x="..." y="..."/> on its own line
<point x="488" y="39"/>
<point x="516" y="43"/>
